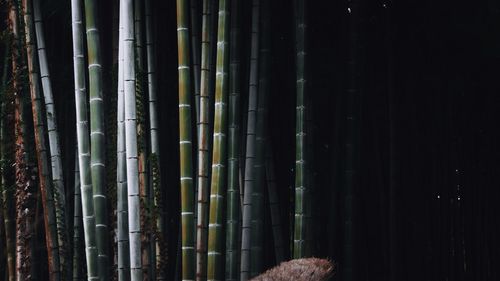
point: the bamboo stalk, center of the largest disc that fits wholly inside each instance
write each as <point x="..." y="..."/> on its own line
<point x="77" y="225"/>
<point x="46" y="187"/>
<point x="7" y="194"/>
<point x="185" y="144"/>
<point x="203" y="147"/>
<point x="54" y="147"/>
<point x="83" y="142"/>
<point x="195" y="54"/>
<point x="274" y="206"/>
<point x="219" y="156"/>
<point x="249" y="179"/>
<point x="301" y="247"/>
<point x="121" y="175"/>
<point x="233" y="169"/>
<point x="129" y="76"/>
<point x="159" y="213"/>
<point x="97" y="136"/>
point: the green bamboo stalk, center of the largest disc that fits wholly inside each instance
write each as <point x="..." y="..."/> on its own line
<point x="97" y="136"/>
<point x="257" y="228"/>
<point x="129" y="77"/>
<point x="219" y="156"/>
<point x="141" y="87"/>
<point x="249" y="179"/>
<point x="233" y="171"/>
<point x="301" y="244"/>
<point x="160" y="246"/>
<point x="77" y="225"/>
<point x="121" y="173"/>
<point x="46" y="187"/>
<point x="7" y="195"/>
<point x="274" y="206"/>
<point x="83" y="142"/>
<point x="203" y="147"/>
<point x="54" y="147"/>
<point x="185" y="143"/>
<point x="195" y="54"/>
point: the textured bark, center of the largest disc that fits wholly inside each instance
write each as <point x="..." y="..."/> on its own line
<point x="310" y="269"/>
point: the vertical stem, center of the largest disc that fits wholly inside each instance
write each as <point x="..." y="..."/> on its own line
<point x="203" y="147"/>
<point x="301" y="238"/>
<point x="219" y="156"/>
<point x="77" y="226"/>
<point x="185" y="142"/>
<point x="54" y="147"/>
<point x="121" y="158"/>
<point x="233" y="172"/>
<point x="249" y="180"/>
<point x="195" y="54"/>
<point x="46" y="187"/>
<point x="97" y="135"/>
<point x="129" y="76"/>
<point x="83" y="142"/>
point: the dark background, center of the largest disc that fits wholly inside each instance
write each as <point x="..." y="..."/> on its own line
<point x="425" y="76"/>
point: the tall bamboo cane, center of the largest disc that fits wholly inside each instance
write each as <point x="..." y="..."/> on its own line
<point x="301" y="242"/>
<point x="7" y="195"/>
<point x="274" y="206"/>
<point x="219" y="156"/>
<point x="159" y="214"/>
<point x="249" y="181"/>
<point x="77" y="225"/>
<point x="233" y="184"/>
<point x="131" y="141"/>
<point x="54" y="147"/>
<point x="195" y="54"/>
<point x="185" y="144"/>
<point x="203" y="147"/>
<point x="82" y="134"/>
<point x="257" y="233"/>
<point x="121" y="158"/>
<point x="97" y="136"/>
<point x="46" y="187"/>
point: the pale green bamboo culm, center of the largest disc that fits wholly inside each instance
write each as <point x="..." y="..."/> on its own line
<point x="45" y="181"/>
<point x="233" y="165"/>
<point x="97" y="137"/>
<point x="121" y="170"/>
<point x="54" y="147"/>
<point x="185" y="143"/>
<point x="83" y="143"/>
<point x="219" y="157"/>
<point x="131" y="140"/>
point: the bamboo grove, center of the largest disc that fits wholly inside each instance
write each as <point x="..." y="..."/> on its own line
<point x="216" y="139"/>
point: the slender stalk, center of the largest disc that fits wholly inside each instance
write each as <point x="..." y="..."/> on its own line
<point x="121" y="158"/>
<point x="83" y="142"/>
<point x="233" y="183"/>
<point x="195" y="54"/>
<point x="54" y="147"/>
<point x="203" y="147"/>
<point x="249" y="179"/>
<point x="274" y="206"/>
<point x="301" y="242"/>
<point x="46" y="187"/>
<point x="141" y="86"/>
<point x="131" y="141"/>
<point x="97" y="135"/>
<point x="7" y="195"/>
<point x="159" y="214"/>
<point x="77" y="226"/>
<point x="219" y="156"/>
<point x="185" y="144"/>
<point x="257" y="233"/>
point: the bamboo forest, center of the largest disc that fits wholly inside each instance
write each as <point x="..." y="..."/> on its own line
<point x="249" y="140"/>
